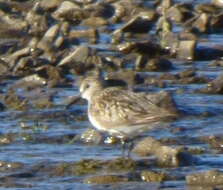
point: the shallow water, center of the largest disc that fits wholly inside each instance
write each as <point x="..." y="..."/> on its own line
<point x="49" y="133"/>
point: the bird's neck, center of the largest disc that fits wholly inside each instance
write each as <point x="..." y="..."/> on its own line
<point x="92" y="93"/>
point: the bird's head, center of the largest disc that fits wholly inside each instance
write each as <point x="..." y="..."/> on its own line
<point x="89" y="86"/>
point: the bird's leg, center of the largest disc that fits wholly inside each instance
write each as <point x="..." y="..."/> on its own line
<point x="127" y="145"/>
<point x="130" y="147"/>
<point x="123" y="142"/>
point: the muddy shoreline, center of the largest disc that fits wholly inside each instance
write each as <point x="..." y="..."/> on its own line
<point x="46" y="47"/>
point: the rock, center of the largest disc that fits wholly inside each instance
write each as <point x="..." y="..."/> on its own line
<point x="189" y="77"/>
<point x="50" y="5"/>
<point x="214" y="87"/>
<point x="192" y="80"/>
<point x="188" y="36"/>
<point x="62" y="169"/>
<point x="129" y="77"/>
<point x="47" y="40"/>
<point x="141" y="23"/>
<point x="30" y="81"/>
<point x="200" y="23"/>
<point x="5" y="7"/>
<point x="150" y="176"/>
<point x="182" y="45"/>
<point x="156" y="64"/>
<point x="206" y="8"/>
<point x="147" y="48"/>
<point x="48" y="139"/>
<point x="14" y="101"/>
<point x="14" y="57"/>
<point x="91" y="166"/>
<point x="29" y="96"/>
<point x="91" y="136"/>
<point x="112" y="63"/>
<point x="143" y="51"/>
<point x="163" y="26"/>
<point x="180" y="13"/>
<point x="91" y="33"/>
<point x="51" y="74"/>
<point x="154" y="81"/>
<point x="39" y="98"/>
<point x="21" y="6"/>
<point x="103" y="9"/>
<point x="23" y="67"/>
<point x="211" y="177"/>
<point x="105" y="179"/>
<point x="186" y="49"/>
<point x="86" y="166"/>
<point x="215" y="142"/>
<point x="81" y="60"/>
<point x="4" y="69"/>
<point x="175" y="14"/>
<point x="7" y="138"/>
<point x="170" y="41"/>
<point x="68" y="10"/>
<point x="13" y="24"/>
<point x="191" y="72"/>
<point x="94" y="22"/>
<point x="121" y="164"/>
<point x="84" y="2"/>
<point x="20" y="53"/>
<point x="78" y="55"/>
<point x="65" y="28"/>
<point x="168" y="76"/>
<point x="66" y="6"/>
<point x="166" y="156"/>
<point x="163" y="6"/>
<point x="42" y="102"/>
<point x="8" y="45"/>
<point x="197" y="150"/>
<point x="119" y="12"/>
<point x="8" y="166"/>
<point x="217" y="3"/>
<point x="197" y="187"/>
<point x="216" y="22"/>
<point x="37" y="21"/>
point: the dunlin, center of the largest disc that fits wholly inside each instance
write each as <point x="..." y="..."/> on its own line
<point x="121" y="113"/>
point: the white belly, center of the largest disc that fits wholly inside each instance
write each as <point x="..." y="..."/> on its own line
<point x="100" y="127"/>
<point x="120" y="131"/>
<point x="94" y="122"/>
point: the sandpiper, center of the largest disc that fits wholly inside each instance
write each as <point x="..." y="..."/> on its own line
<point x="121" y="113"/>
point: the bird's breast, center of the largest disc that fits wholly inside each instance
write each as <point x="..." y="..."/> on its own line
<point x="94" y="120"/>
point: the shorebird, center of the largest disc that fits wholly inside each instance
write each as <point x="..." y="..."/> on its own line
<point x="119" y="112"/>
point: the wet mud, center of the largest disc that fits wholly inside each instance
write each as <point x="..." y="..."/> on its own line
<point x="164" y="48"/>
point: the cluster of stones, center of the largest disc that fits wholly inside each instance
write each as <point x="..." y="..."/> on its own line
<point x="41" y="45"/>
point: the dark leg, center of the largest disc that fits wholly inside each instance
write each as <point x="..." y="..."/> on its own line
<point x="127" y="146"/>
<point x="123" y="142"/>
<point x="130" y="147"/>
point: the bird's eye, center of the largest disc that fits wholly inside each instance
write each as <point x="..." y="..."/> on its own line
<point x="87" y="86"/>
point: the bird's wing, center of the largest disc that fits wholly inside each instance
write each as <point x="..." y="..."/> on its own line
<point x="120" y="107"/>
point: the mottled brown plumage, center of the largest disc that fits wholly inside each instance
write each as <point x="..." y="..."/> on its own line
<point x="120" y="112"/>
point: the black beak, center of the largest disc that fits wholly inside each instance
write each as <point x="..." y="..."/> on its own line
<point x="72" y="100"/>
